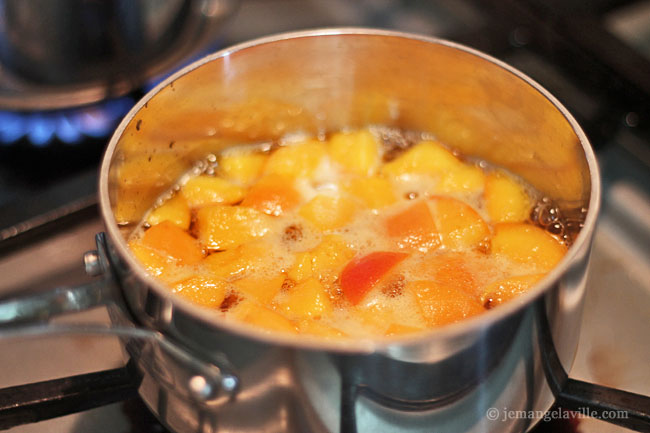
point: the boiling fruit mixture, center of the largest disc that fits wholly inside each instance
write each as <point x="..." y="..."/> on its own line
<point x="360" y="234"/>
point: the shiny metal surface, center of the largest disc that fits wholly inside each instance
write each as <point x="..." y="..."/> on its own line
<point x="57" y="54"/>
<point x="323" y="81"/>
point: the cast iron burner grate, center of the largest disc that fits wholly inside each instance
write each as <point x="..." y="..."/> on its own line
<point x="49" y="399"/>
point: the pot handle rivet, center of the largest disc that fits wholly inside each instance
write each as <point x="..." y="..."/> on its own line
<point x="200" y="388"/>
<point x="93" y="264"/>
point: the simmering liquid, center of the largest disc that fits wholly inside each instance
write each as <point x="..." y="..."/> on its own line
<point x="365" y="233"/>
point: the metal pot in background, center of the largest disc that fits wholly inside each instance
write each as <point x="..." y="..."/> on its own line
<point x="62" y="53"/>
<point x="202" y="374"/>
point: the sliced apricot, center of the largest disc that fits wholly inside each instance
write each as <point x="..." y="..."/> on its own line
<point x="244" y="167"/>
<point x="501" y="291"/>
<point x="307" y="299"/>
<point x="318" y="328"/>
<point x="374" y="192"/>
<point x="301" y="268"/>
<point x="298" y="160"/>
<point x="205" y="190"/>
<point x="526" y="243"/>
<point x="221" y="227"/>
<point x="238" y="261"/>
<point x="451" y="270"/>
<point x="173" y="241"/>
<point x="274" y="195"/>
<point x="363" y="273"/>
<point x="326" y="212"/>
<point x="262" y="289"/>
<point x="357" y="152"/>
<point x="506" y="200"/>
<point x="153" y="261"/>
<point x="395" y="329"/>
<point x="462" y="178"/>
<point x="254" y="314"/>
<point x="205" y="291"/>
<point x="174" y="210"/>
<point x="459" y="225"/>
<point x="426" y="157"/>
<point x="442" y="304"/>
<point x="329" y="258"/>
<point x="414" y="228"/>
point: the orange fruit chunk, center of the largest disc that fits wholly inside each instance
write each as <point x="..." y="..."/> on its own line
<point x="414" y="228"/>
<point x="508" y="288"/>
<point x="222" y="227"/>
<point x="202" y="290"/>
<point x="273" y="195"/>
<point x="206" y="190"/>
<point x="374" y="192"/>
<point x="395" y="329"/>
<point x="459" y="225"/>
<point x="506" y="199"/>
<point x="262" y="289"/>
<point x="328" y="212"/>
<point x="244" y="168"/>
<point x="526" y="243"/>
<point x="166" y="237"/>
<point x="307" y="299"/>
<point x="441" y="304"/>
<point x="174" y="210"/>
<point x="358" y="151"/>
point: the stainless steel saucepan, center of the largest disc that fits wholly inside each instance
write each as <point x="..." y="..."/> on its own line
<point x="202" y="374"/>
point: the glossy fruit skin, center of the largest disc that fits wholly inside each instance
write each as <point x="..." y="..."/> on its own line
<point x="361" y="274"/>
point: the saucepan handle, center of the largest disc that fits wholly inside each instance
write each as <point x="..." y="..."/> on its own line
<point x="615" y="406"/>
<point x="25" y="316"/>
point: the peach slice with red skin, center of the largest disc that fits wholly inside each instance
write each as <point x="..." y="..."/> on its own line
<point x="363" y="273"/>
<point x="414" y="228"/>
<point x="459" y="225"/>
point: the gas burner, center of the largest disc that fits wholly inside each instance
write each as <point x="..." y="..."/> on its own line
<point x="70" y="126"/>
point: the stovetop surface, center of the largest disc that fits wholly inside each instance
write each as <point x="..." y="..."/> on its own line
<point x="49" y="193"/>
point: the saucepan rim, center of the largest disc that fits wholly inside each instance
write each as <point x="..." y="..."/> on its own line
<point x="352" y="346"/>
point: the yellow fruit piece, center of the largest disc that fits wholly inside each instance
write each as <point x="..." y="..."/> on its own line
<point x="174" y="242"/>
<point x="375" y="317"/>
<point x="327" y="212"/>
<point x="222" y="227"/>
<point x="296" y="160"/>
<point x="244" y="168"/>
<point x="459" y="225"/>
<point x="237" y="262"/>
<point x="254" y="314"/>
<point x="395" y="329"/>
<point x="374" y="192"/>
<point x="506" y="199"/>
<point x="357" y="152"/>
<point x="174" y="210"/>
<point x="206" y="190"/>
<point x="162" y="266"/>
<point x="463" y="178"/>
<point x="262" y="289"/>
<point x="155" y="263"/>
<point x="307" y="299"/>
<point x="301" y="268"/>
<point x="508" y="288"/>
<point x="525" y="243"/>
<point x="317" y="328"/>
<point x="441" y="304"/>
<point x="204" y="291"/>
<point x="330" y="257"/>
<point x="426" y="157"/>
